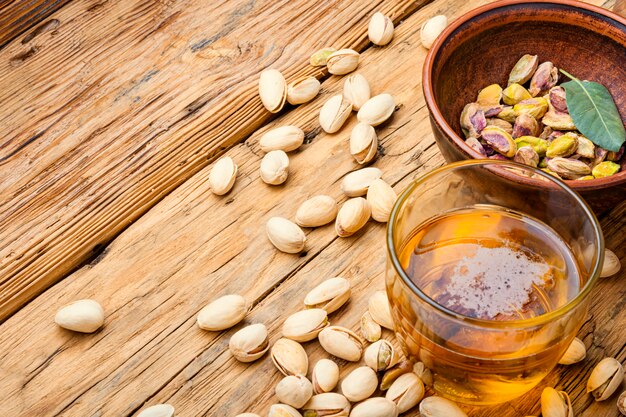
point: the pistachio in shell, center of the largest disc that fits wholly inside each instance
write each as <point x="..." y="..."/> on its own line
<point x="328" y="404"/>
<point x="342" y="343"/>
<point x="499" y="140"/>
<point x="378" y="306"/>
<point x="283" y="410"/>
<point x="406" y="392"/>
<point x="274" y="168"/>
<point x="356" y="183"/>
<point x="352" y="216"/>
<point x="403" y="367"/>
<point x="272" y="90"/>
<point x="84" y="316"/>
<point x="381" y="198"/>
<point x="222" y="176"/>
<point x="325" y="376"/>
<point x="249" y="343"/>
<point x="334" y="113"/>
<point x="424" y="373"/>
<point x="555" y="403"/>
<point x="431" y="29"/>
<point x="363" y="143"/>
<point x="223" y="313"/>
<point x="515" y="93"/>
<point x="377" y="109"/>
<point x="381" y="355"/>
<point x="575" y="353"/>
<point x="473" y="120"/>
<point x="329" y="295"/>
<point x="370" y="330"/>
<point x="285" y="235"/>
<point x="605" y="379"/>
<point x="524" y="69"/>
<point x="525" y="125"/>
<point x="289" y="357"/>
<point x="546" y="76"/>
<point x="284" y="138"/>
<point x="356" y="90"/>
<point x="317" y="211"/>
<point x="380" y="29"/>
<point x="158" y="410"/>
<point x="611" y="264"/>
<point x="303" y="90"/>
<point x="375" y="407"/>
<point x="342" y="61"/>
<point x="435" y="406"/>
<point x="621" y="403"/>
<point x="305" y="325"/>
<point x="359" y="384"/>
<point x="294" y="390"/>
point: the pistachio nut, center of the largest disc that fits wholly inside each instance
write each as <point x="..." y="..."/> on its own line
<point x="377" y="109"/>
<point x="523" y="69"/>
<point x="561" y="121"/>
<point x="535" y="107"/>
<point x="431" y="29"/>
<point x="356" y="90"/>
<point x="342" y="61"/>
<point x="370" y="330"/>
<point x="159" y="410"/>
<point x="611" y="264"/>
<point x="327" y="404"/>
<point x="319" y="57"/>
<point x="621" y="403"/>
<point x="359" y="384"/>
<point x="557" y="100"/>
<point x="285" y="235"/>
<point x="605" y="169"/>
<point x="563" y="146"/>
<point x="605" y="379"/>
<point x="357" y="182"/>
<point x="539" y="145"/>
<point x="585" y="147"/>
<point x="378" y="306"/>
<point x="615" y="156"/>
<point x="283" y="410"/>
<point x="352" y="216"/>
<point x="576" y="352"/>
<point x="499" y="140"/>
<point x="498" y="157"/>
<point x="247" y="415"/>
<point x="406" y="391"/>
<point x="424" y="373"/>
<point x="249" y="343"/>
<point x="222" y="176"/>
<point x="490" y="96"/>
<point x="492" y="111"/>
<point x="568" y="168"/>
<point x="342" y="343"/>
<point x="525" y="125"/>
<point x="555" y="403"/>
<point x="526" y="155"/>
<point x="473" y="120"/>
<point x="363" y="143"/>
<point x="507" y="114"/>
<point x="223" y="313"/>
<point x="381" y="355"/>
<point x="303" y="90"/>
<point x="475" y="144"/>
<point x="294" y="390"/>
<point x="330" y="295"/>
<point x="546" y="132"/>
<point x="382" y="198"/>
<point x="84" y="316"/>
<point x="600" y="155"/>
<point x="272" y="90"/>
<point x="334" y="113"/>
<point x="515" y="93"/>
<point x="284" y="138"/>
<point x="325" y="376"/>
<point x="305" y="325"/>
<point x="502" y="124"/>
<point x="274" y="168"/>
<point x="403" y="367"/>
<point x="317" y="211"/>
<point x="375" y="407"/>
<point x="380" y="29"/>
<point x="439" y="407"/>
<point x="546" y="76"/>
<point x="586" y="178"/>
<point x="289" y="357"/>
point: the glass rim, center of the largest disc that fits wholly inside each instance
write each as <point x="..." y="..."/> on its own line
<point x="535" y="321"/>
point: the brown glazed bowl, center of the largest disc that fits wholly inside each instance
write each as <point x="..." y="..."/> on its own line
<point x="481" y="47"/>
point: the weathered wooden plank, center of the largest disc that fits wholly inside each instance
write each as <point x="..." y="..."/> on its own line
<point x="124" y="101"/>
<point x="27" y="17"/>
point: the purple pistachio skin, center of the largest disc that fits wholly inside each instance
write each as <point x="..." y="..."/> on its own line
<point x="500" y="141"/>
<point x="546" y="76"/>
<point x="476" y="145"/>
<point x="557" y="99"/>
<point x="525" y="125"/>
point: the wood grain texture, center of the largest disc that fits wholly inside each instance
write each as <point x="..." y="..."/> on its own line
<point x="193" y="246"/>
<point x="123" y="101"/>
<point x="28" y="18"/>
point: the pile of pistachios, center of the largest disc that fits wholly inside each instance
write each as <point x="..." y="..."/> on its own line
<point x="533" y="126"/>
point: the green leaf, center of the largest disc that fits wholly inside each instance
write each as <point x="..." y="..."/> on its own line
<point x="594" y="113"/>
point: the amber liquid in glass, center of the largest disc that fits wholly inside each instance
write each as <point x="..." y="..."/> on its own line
<point x="496" y="265"/>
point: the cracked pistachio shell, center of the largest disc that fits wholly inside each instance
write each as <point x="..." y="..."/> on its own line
<point x="334" y="113"/>
<point x="563" y="146"/>
<point x="370" y="330"/>
<point x="406" y="391"/>
<point x="381" y="355"/>
<point x="289" y="357"/>
<point x="502" y="124"/>
<point x="249" y="343"/>
<point x="539" y="145"/>
<point x="472" y="120"/>
<point x="342" y="61"/>
<point x="359" y="384"/>
<point x="621" y="403"/>
<point x="317" y="211"/>
<point x="499" y="140"/>
<point x="352" y="216"/>
<point x="535" y="107"/>
<point x="378" y="306"/>
<point x="377" y="109"/>
<point x="284" y="138"/>
<point x="576" y="352"/>
<point x="585" y="147"/>
<point x="403" y="367"/>
<point x="380" y="29"/>
<point x="382" y="198"/>
<point x="515" y="93"/>
<point x="223" y="313"/>
<point x="611" y="264"/>
<point x="526" y="155"/>
<point x="285" y="235"/>
<point x="431" y="29"/>
<point x="605" y="169"/>
<point x="439" y="407"/>
<point x="605" y="379"/>
<point x="330" y="295"/>
<point x="356" y="90"/>
<point x="555" y="403"/>
<point x="303" y="90"/>
<point x="325" y="376"/>
<point x="274" y="168"/>
<point x="159" y="410"/>
<point x="319" y="57"/>
<point x="305" y="325"/>
<point x="525" y="125"/>
<point x="84" y="316"/>
<point x="342" y="343"/>
<point x="272" y="90"/>
<point x="424" y="373"/>
<point x="490" y="96"/>
<point x="363" y="143"/>
<point x="475" y="144"/>
<point x="222" y="176"/>
<point x="523" y="69"/>
<point x="283" y="410"/>
<point x="375" y="407"/>
<point x="328" y="404"/>
<point x="546" y="76"/>
<point x="294" y="390"/>
<point x="568" y="168"/>
<point x="356" y="183"/>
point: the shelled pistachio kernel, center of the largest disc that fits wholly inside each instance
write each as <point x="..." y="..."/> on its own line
<point x="490" y="95"/>
<point x="576" y="352"/>
<point x="329" y="295"/>
<point x="545" y="77"/>
<point x="158" y="410"/>
<point x="289" y="357"/>
<point x="539" y="145"/>
<point x="305" y="325"/>
<point x="223" y="313"/>
<point x="535" y="107"/>
<point x="249" y="343"/>
<point x="272" y="90"/>
<point x="325" y="376"/>
<point x="568" y="168"/>
<point x="605" y="379"/>
<point x="605" y="169"/>
<point x="435" y="406"/>
<point x="499" y="140"/>
<point x="380" y="29"/>
<point x="555" y="403"/>
<point x="359" y="384"/>
<point x="294" y="390"/>
<point x="563" y="146"/>
<point x="352" y="216"/>
<point x="472" y="120"/>
<point x="303" y="90"/>
<point x="317" y="211"/>
<point x="319" y="57"/>
<point x="285" y="235"/>
<point x="84" y="316"/>
<point x="342" y="61"/>
<point x="381" y="355"/>
<point x="515" y="93"/>
<point x="524" y="69"/>
<point x="342" y="343"/>
<point x="611" y="265"/>
<point x="431" y="29"/>
<point x="222" y="176"/>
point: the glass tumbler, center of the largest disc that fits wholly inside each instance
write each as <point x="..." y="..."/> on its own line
<point x="477" y="360"/>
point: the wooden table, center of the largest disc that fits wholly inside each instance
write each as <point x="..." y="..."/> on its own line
<point x="112" y="115"/>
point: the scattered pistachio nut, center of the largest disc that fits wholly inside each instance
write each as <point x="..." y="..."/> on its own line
<point x="342" y="343"/>
<point x="284" y="138"/>
<point x="370" y="330"/>
<point x="473" y="120"/>
<point x="330" y="295"/>
<point x="621" y="403"/>
<point x="303" y="90"/>
<point x="403" y="367"/>
<point x="334" y="113"/>
<point x="524" y="69"/>
<point x="352" y="216"/>
<point x="289" y="357"/>
<point x="328" y="404"/>
<point x="159" y="410"/>
<point x="222" y="176"/>
<point x="319" y="58"/>
<point x="515" y="93"/>
<point x="545" y="77"/>
<point x="283" y="410"/>
<point x="363" y="143"/>
<point x="569" y="168"/>
<point x="562" y="146"/>
<point x="431" y="29"/>
<point x="375" y="407"/>
<point x="424" y="373"/>
<point x="317" y="211"/>
<point x="325" y="376"/>
<point x="611" y="264"/>
<point x="249" y="343"/>
<point x="285" y="235"/>
<point x="356" y="90"/>
<point x="605" y="169"/>
<point x="272" y="90"/>
<point x="576" y="352"/>
<point x="223" y="313"/>
<point x="381" y="355"/>
<point x="555" y="403"/>
<point x="406" y="391"/>
<point x="305" y="325"/>
<point x="499" y="140"/>
<point x="377" y="109"/>
<point x="342" y="61"/>
<point x="356" y="183"/>
<point x="380" y="29"/>
<point x="359" y="384"/>
<point x="378" y="306"/>
<point x="84" y="316"/>
<point x="439" y="407"/>
<point x="294" y="390"/>
<point x="274" y="167"/>
<point x="605" y="379"/>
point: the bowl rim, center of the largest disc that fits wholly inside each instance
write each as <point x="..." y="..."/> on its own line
<point x="429" y="95"/>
